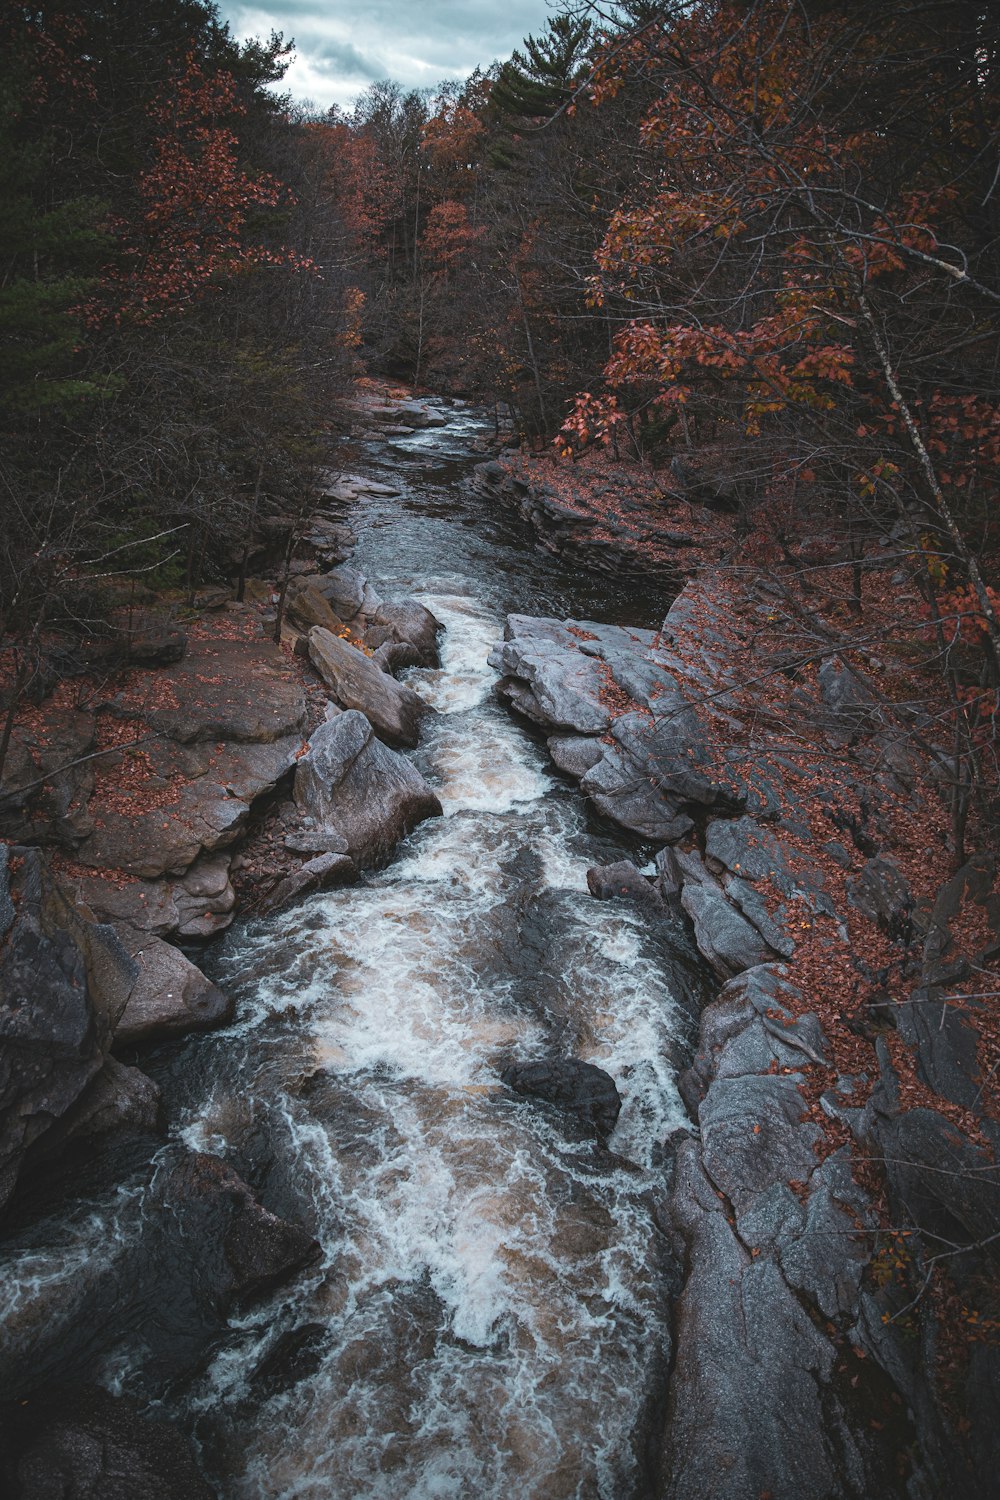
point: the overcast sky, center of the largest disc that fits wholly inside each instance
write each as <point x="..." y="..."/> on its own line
<point x="343" y="45"/>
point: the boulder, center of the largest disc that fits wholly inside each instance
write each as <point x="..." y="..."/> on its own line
<point x="119" y="1098"/>
<point x="613" y="882"/>
<point x="170" y="995"/>
<point x="404" y="623"/>
<point x="774" y="1265"/>
<point x="577" y="1088"/>
<point x="64" y="982"/>
<point x="81" y="1443"/>
<point x="551" y="683"/>
<point x="412" y="625"/>
<point x="357" y="788"/>
<point x="316" y="874"/>
<point x="394" y="711"/>
<point x="307" y="606"/>
<point x="243" y="1249"/>
<point x="723" y="935"/>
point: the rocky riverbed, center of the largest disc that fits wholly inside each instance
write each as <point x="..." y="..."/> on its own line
<point x="542" y="1150"/>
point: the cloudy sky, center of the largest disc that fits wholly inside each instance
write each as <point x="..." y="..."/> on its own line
<point x="343" y="45"/>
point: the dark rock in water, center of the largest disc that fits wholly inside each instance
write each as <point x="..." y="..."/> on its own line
<point x="79" y="1442"/>
<point x="355" y="786"/>
<point x="295" y="1356"/>
<point x="577" y="1087"/>
<point x="610" y="882"/>
<point x="243" y="1249"/>
<point x="64" y="982"/>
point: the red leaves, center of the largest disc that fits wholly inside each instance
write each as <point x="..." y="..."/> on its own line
<point x="449" y="237"/>
<point x="195" y="202"/>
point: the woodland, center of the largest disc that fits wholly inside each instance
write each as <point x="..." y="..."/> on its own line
<point x="724" y="276"/>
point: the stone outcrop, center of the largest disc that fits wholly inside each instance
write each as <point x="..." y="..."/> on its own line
<point x="620" y="719"/>
<point x="64" y="984"/>
<point x="354" y="787"/>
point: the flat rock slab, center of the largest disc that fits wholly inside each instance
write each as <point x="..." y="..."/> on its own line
<point x="394" y="711"/>
<point x="80" y="1441"/>
<point x="223" y="690"/>
<point x="207" y="792"/>
<point x="356" y="788"/>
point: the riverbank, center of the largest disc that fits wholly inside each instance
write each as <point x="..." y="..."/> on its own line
<point x="839" y="1206"/>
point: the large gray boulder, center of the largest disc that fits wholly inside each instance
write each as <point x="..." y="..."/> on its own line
<point x="394" y="711"/>
<point x="356" y="787"/>
<point x="170" y="995"/>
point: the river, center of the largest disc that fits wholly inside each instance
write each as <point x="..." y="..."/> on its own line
<point x="490" y="1313"/>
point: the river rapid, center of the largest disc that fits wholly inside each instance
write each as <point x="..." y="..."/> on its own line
<point x="489" y="1316"/>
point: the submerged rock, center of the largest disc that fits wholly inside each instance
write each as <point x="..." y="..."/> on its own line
<point x="578" y="1088"/>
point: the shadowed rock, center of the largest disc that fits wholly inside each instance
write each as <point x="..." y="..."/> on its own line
<point x="79" y="1442"/>
<point x="64" y="982"/>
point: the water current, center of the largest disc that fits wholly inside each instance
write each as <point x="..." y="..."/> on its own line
<point x="489" y="1314"/>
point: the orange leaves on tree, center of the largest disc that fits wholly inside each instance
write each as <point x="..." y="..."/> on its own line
<point x="448" y="237"/>
<point x="195" y="205"/>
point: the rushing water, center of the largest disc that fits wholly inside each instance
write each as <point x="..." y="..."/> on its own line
<point x="488" y="1317"/>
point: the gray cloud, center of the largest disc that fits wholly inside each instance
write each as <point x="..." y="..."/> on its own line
<point x="343" y="44"/>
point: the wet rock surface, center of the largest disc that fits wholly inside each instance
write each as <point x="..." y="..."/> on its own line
<point x="79" y="1442"/>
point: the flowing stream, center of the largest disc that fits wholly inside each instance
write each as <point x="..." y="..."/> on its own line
<point x="489" y="1315"/>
